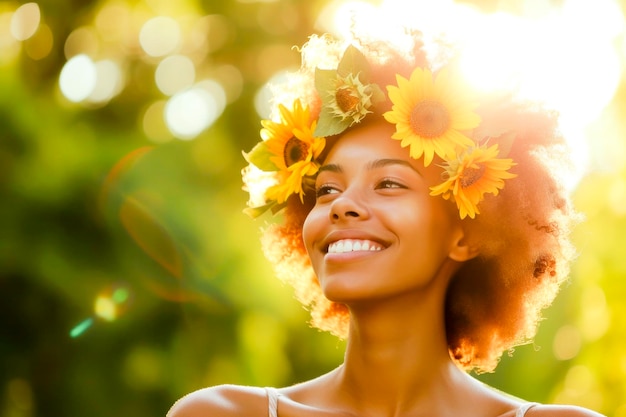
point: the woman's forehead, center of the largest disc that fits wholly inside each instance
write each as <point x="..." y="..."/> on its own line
<point x="368" y="144"/>
<point x="372" y="140"/>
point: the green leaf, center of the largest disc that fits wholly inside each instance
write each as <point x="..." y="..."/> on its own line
<point x="277" y="207"/>
<point x="325" y="84"/>
<point x="330" y="124"/>
<point x="255" y="212"/>
<point x="354" y="62"/>
<point x="505" y="143"/>
<point x="259" y="156"/>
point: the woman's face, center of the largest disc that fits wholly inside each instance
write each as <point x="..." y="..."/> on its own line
<point x="375" y="231"/>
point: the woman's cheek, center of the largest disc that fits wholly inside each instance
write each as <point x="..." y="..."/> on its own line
<point x="310" y="228"/>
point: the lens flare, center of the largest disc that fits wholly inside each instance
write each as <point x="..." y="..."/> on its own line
<point x="112" y="302"/>
<point x="109" y="305"/>
<point x="81" y="328"/>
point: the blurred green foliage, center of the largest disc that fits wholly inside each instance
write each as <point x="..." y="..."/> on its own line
<point x="143" y="241"/>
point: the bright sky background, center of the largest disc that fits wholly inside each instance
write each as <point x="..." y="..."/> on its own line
<point x="570" y="56"/>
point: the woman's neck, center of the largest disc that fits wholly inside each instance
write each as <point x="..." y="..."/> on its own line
<point x="397" y="355"/>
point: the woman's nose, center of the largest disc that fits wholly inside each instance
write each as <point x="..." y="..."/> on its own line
<point x="348" y="206"/>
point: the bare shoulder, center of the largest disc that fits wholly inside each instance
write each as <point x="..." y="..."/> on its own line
<point x="222" y="401"/>
<point x="561" y="411"/>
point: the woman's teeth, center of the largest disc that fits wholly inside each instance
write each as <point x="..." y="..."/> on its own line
<point x="350" y="245"/>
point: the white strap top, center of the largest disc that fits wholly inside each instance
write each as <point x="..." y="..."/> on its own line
<point x="272" y="400"/>
<point x="521" y="412"/>
<point x="273" y="394"/>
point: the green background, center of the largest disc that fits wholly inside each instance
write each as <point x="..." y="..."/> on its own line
<point x="91" y="208"/>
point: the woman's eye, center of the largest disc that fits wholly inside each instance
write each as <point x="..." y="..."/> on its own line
<point x="389" y="184"/>
<point x="325" y="190"/>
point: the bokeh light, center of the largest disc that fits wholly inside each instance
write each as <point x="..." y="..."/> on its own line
<point x="212" y="31"/>
<point x="82" y="79"/>
<point x="160" y="36"/>
<point x="25" y="21"/>
<point x="109" y="81"/>
<point x="114" y="21"/>
<point x="153" y="122"/>
<point x="190" y="112"/>
<point x="596" y="318"/>
<point x="143" y="368"/>
<point x="174" y="74"/>
<point x="231" y="79"/>
<point x="9" y="46"/>
<point x="567" y="343"/>
<point x="78" y="78"/>
<point x="40" y="44"/>
<point x="580" y="387"/>
<point x="82" y="40"/>
<point x="19" y="397"/>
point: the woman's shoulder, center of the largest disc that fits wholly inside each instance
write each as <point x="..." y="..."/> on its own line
<point x="222" y="401"/>
<point x="560" y="411"/>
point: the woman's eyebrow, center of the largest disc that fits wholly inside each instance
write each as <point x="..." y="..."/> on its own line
<point x="375" y="164"/>
<point x="380" y="163"/>
<point x="331" y="168"/>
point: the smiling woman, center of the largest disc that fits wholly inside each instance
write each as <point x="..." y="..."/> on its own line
<point x="423" y="221"/>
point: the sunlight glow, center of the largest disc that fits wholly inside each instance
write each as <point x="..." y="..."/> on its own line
<point x="617" y="197"/>
<point x="564" y="55"/>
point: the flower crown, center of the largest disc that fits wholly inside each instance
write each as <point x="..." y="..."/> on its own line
<point x="431" y="115"/>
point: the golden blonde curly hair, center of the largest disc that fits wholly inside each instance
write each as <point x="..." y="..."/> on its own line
<point x="494" y="301"/>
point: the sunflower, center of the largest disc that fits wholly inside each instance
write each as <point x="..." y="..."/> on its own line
<point x="293" y="149"/>
<point x="351" y="99"/>
<point x="473" y="174"/>
<point x="430" y="114"/>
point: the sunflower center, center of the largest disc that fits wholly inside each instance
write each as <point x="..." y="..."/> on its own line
<point x="346" y="101"/>
<point x="295" y="150"/>
<point x="429" y="119"/>
<point x="471" y="175"/>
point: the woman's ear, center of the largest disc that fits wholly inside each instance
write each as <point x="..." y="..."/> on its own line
<point x="461" y="249"/>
